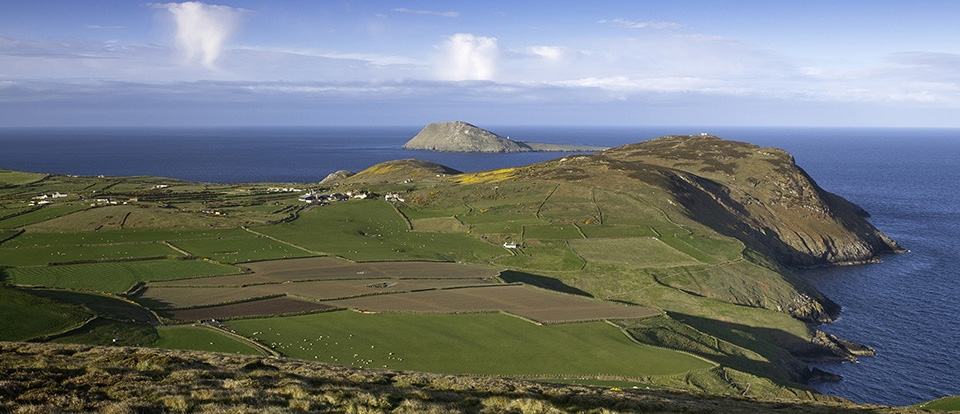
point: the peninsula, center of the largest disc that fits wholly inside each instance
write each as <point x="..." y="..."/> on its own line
<point x="671" y="259"/>
<point x="459" y="136"/>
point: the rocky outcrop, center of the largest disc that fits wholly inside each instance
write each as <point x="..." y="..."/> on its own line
<point x="459" y="136"/>
<point x="827" y="347"/>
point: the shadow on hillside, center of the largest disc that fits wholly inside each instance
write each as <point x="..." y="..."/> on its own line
<point x="707" y="202"/>
<point x="511" y="276"/>
<point x="779" y="347"/>
<point x="112" y="308"/>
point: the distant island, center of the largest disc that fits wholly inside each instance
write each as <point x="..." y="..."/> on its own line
<point x="459" y="136"/>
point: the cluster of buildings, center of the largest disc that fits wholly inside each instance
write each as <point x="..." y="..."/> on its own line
<point x="111" y="202"/>
<point x="393" y="197"/>
<point x="44" y="199"/>
<point x="322" y="199"/>
<point x="284" y="190"/>
<point x="314" y="197"/>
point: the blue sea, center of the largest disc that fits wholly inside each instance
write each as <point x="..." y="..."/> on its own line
<point x="908" y="307"/>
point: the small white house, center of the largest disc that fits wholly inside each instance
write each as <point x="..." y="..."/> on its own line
<point x="511" y="245"/>
<point x="393" y="197"/>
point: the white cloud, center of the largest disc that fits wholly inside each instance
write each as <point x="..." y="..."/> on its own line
<point x="468" y="57"/>
<point x="203" y="29"/>
<point x="644" y="24"/>
<point x="552" y="53"/>
<point x="449" y="13"/>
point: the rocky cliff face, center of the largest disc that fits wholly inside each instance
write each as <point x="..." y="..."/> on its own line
<point x="460" y="136"/>
<point x="760" y="196"/>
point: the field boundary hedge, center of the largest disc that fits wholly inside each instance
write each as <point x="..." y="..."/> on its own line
<point x="12" y="236"/>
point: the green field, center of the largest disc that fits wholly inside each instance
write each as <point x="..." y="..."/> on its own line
<point x="200" y="339"/>
<point x="600" y="231"/>
<point x="8" y="177"/>
<point x="544" y="255"/>
<point x="703" y="248"/>
<point x="6" y="235"/>
<point x="239" y="248"/>
<point x="488" y="344"/>
<point x="372" y="230"/>
<point x="439" y="225"/>
<point x="43" y="239"/>
<point x="639" y="252"/>
<point x="44" y="213"/>
<point x="114" y="276"/>
<point x="11" y="255"/>
<point x="942" y="404"/>
<point x="105" y="331"/>
<point x="28" y="316"/>
<point x="551" y="231"/>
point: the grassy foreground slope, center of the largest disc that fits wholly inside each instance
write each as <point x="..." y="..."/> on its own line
<point x="40" y="378"/>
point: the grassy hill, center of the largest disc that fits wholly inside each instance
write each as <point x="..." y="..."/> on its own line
<point x="676" y="251"/>
<point x="59" y="378"/>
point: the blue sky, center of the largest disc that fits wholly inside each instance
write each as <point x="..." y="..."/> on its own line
<point x="764" y="63"/>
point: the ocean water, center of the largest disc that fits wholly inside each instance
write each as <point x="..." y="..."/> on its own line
<point x="908" y="307"/>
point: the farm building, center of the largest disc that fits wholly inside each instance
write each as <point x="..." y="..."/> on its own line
<point x="393" y="197"/>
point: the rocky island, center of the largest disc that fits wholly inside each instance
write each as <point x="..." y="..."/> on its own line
<point x="459" y="136"/>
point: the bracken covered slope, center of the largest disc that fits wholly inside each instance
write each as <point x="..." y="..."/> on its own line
<point x="45" y="378"/>
<point x="760" y="196"/>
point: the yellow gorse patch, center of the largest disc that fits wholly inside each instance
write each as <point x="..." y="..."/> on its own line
<point x="491" y="176"/>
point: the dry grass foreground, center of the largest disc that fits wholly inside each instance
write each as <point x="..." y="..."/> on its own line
<point x="45" y="378"/>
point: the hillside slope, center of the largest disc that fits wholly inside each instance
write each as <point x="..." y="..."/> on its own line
<point x="760" y="196"/>
<point x="74" y="378"/>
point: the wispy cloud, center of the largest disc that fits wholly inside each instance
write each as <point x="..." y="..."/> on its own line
<point x="368" y="58"/>
<point x="552" y="53"/>
<point x="203" y="29"/>
<point x="449" y="13"/>
<point x="103" y="27"/>
<point x="642" y="24"/>
<point x="468" y="57"/>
